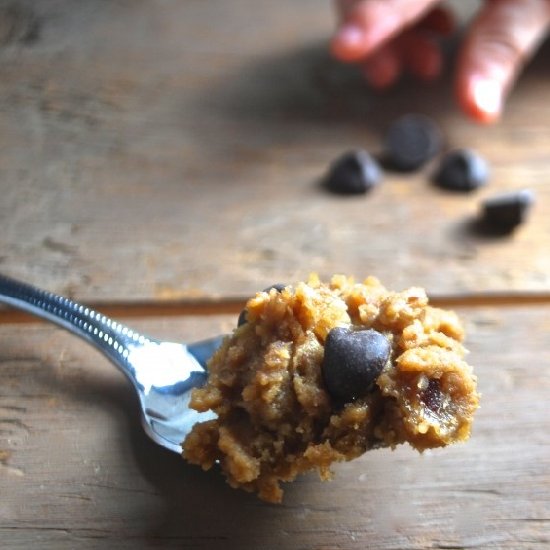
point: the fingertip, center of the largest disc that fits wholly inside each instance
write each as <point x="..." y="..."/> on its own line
<point x="422" y="56"/>
<point x="433" y="66"/>
<point x="349" y="43"/>
<point x="382" y="69"/>
<point x="439" y="20"/>
<point x="481" y="98"/>
<point x="500" y="40"/>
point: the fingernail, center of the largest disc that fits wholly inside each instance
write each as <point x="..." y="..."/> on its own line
<point x="487" y="96"/>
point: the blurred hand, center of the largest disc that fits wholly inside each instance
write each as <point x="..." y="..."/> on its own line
<point x="389" y="37"/>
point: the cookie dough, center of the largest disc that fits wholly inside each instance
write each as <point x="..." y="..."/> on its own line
<point x="281" y="407"/>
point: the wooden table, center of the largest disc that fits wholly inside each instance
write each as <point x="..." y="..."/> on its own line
<point x="161" y="160"/>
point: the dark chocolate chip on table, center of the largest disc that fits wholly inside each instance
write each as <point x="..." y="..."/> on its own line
<point x="352" y="362"/>
<point x="411" y="141"/>
<point x="355" y="172"/>
<point x="503" y="213"/>
<point x="462" y="170"/>
<point x="279" y="287"/>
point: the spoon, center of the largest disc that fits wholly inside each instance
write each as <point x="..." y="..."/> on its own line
<point x="162" y="373"/>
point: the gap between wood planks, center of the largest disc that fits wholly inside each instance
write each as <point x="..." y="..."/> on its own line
<point x="230" y="306"/>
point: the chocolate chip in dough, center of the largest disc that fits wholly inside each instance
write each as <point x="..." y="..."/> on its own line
<point x="355" y="172"/>
<point x="462" y="170"/>
<point x="503" y="213"/>
<point x="411" y="141"/>
<point x="432" y="395"/>
<point x="279" y="287"/>
<point x="352" y="362"/>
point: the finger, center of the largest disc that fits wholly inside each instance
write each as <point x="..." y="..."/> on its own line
<point x="383" y="68"/>
<point x="439" y="20"/>
<point x="501" y="40"/>
<point x="422" y="55"/>
<point x="367" y="24"/>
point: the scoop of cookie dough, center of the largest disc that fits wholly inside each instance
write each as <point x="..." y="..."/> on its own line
<point x="281" y="407"/>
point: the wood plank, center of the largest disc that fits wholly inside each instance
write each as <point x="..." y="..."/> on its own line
<point x="162" y="150"/>
<point x="77" y="471"/>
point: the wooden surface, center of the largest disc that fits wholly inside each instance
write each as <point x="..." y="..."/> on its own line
<point x="173" y="149"/>
<point x="163" y="159"/>
<point x="77" y="470"/>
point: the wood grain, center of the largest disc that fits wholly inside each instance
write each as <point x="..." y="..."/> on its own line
<point x="162" y="160"/>
<point x="76" y="469"/>
<point x="169" y="150"/>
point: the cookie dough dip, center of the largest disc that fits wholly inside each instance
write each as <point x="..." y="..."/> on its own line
<point x="318" y="373"/>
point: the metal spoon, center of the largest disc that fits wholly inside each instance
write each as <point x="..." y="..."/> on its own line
<point x="162" y="373"/>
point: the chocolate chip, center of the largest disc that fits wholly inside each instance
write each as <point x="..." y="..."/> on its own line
<point x="353" y="173"/>
<point x="279" y="287"/>
<point x="431" y="396"/>
<point x="505" y="212"/>
<point x="462" y="170"/>
<point x="242" y="318"/>
<point x="411" y="141"/>
<point x="353" y="361"/>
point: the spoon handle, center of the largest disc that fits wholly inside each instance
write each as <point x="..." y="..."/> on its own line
<point x="111" y="338"/>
